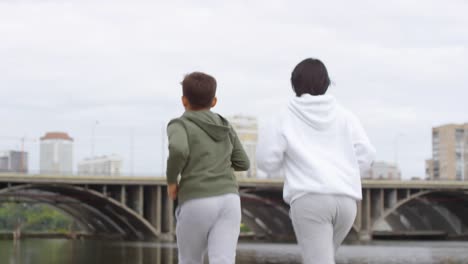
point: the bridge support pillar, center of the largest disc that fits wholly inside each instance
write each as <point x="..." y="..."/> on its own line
<point x="358" y="221"/>
<point x="366" y="211"/>
<point x="123" y="195"/>
<point x="153" y="206"/>
<point x="168" y="221"/>
<point x="378" y="205"/>
<point x="140" y="200"/>
<point x="104" y="190"/>
<point x="364" y="236"/>
<point x="391" y="198"/>
<point x="159" y="207"/>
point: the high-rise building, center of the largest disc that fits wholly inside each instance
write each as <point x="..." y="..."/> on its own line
<point x="4" y="162"/>
<point x="449" y="153"/>
<point x="429" y="169"/>
<point x="247" y="130"/>
<point x="56" y="154"/>
<point x="381" y="170"/>
<point x="103" y="166"/>
<point x="14" y="161"/>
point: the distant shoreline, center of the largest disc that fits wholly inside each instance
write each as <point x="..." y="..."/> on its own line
<point x="4" y="235"/>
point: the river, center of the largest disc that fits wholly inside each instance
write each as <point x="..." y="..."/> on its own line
<point x="60" y="251"/>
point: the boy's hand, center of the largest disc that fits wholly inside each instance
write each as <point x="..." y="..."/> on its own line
<point x="172" y="190"/>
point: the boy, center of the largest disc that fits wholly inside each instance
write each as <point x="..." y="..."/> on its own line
<point x="205" y="150"/>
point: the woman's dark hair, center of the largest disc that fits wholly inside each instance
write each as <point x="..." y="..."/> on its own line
<point x="310" y="76"/>
<point x="199" y="88"/>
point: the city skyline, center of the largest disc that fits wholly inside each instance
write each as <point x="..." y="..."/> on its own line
<point x="400" y="66"/>
<point x="246" y="127"/>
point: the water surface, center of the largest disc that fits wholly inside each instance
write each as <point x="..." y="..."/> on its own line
<point x="60" y="251"/>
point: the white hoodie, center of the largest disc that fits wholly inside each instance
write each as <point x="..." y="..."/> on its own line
<point x="320" y="147"/>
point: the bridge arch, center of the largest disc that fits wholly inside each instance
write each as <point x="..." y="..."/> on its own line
<point x="427" y="210"/>
<point x="95" y="212"/>
<point x="267" y="217"/>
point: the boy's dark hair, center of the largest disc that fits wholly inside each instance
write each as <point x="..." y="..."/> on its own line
<point x="310" y="76"/>
<point x="199" y="89"/>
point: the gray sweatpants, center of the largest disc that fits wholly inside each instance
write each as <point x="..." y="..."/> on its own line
<point x="208" y="224"/>
<point x="321" y="223"/>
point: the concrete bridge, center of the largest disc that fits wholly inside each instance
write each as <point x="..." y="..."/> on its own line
<point x="137" y="208"/>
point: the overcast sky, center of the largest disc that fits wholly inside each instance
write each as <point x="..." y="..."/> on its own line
<point x="401" y="66"/>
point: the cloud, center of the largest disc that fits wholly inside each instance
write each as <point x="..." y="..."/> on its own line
<point x="399" y="65"/>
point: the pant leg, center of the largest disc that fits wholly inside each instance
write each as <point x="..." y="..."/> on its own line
<point x="344" y="219"/>
<point x="194" y="220"/>
<point x="223" y="236"/>
<point x="312" y="221"/>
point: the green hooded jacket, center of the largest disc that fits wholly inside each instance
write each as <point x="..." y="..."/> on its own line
<point x="205" y="151"/>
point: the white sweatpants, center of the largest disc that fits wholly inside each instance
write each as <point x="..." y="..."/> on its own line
<point x="321" y="223"/>
<point x="208" y="224"/>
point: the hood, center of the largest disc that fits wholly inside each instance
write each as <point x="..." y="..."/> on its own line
<point x="216" y="126"/>
<point x="318" y="112"/>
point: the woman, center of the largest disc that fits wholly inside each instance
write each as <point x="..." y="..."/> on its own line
<point x="321" y="148"/>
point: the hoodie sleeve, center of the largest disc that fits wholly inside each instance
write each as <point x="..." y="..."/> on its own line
<point x="363" y="149"/>
<point x="178" y="151"/>
<point x="239" y="159"/>
<point x="271" y="147"/>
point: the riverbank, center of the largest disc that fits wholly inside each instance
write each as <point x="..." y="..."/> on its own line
<point x="56" y="235"/>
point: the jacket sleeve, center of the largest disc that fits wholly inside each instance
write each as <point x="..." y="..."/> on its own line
<point x="239" y="159"/>
<point x="363" y="149"/>
<point x="178" y="151"/>
<point x="271" y="148"/>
